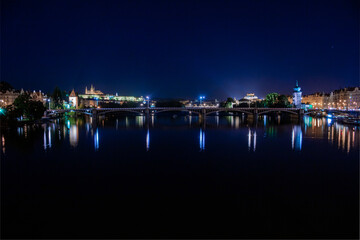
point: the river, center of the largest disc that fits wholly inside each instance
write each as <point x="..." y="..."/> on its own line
<point x="175" y="177"/>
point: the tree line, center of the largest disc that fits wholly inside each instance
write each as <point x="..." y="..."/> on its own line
<point x="272" y="100"/>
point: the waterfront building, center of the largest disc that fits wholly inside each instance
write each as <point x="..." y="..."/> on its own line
<point x="73" y="99"/>
<point x="38" y="96"/>
<point x="344" y="99"/>
<point x="8" y="97"/>
<point x="316" y="100"/>
<point x="297" y="96"/>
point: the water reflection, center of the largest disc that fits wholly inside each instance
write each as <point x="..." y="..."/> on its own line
<point x="47" y="136"/>
<point x="74" y="135"/>
<point x="252" y="136"/>
<point x="96" y="139"/>
<point x="230" y="120"/>
<point x="217" y="120"/>
<point x="202" y="139"/>
<point x="140" y="121"/>
<point x="148" y="139"/>
<point x="343" y="137"/>
<point x="3" y="144"/>
<point x="296" y="138"/>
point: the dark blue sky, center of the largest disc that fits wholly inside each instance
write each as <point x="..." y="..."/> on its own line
<point x="180" y="48"/>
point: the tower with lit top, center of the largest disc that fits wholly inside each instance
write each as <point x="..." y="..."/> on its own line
<point x="297" y="96"/>
<point x="73" y="99"/>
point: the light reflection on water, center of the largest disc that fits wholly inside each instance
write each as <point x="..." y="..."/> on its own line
<point x="96" y="140"/>
<point x="148" y="139"/>
<point x="344" y="137"/>
<point x="296" y="138"/>
<point x="202" y="139"/>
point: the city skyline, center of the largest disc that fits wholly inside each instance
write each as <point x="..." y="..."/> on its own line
<point x="213" y="49"/>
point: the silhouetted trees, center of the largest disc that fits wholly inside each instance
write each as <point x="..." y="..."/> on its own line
<point x="57" y="98"/>
<point x="5" y="86"/>
<point x="24" y="106"/>
<point x="169" y="103"/>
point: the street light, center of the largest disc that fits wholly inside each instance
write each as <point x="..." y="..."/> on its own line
<point x="201" y="98"/>
<point x="49" y="103"/>
<point x="148" y="101"/>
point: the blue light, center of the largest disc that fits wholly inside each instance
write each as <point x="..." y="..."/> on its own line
<point x="329" y="115"/>
<point x="148" y="140"/>
<point x="202" y="140"/>
<point x="96" y="140"/>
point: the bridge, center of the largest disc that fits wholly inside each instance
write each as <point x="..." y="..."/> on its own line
<point x="201" y="111"/>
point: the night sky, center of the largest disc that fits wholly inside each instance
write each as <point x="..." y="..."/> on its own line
<point x="180" y="48"/>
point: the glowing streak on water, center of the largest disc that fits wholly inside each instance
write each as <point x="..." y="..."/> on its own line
<point x="148" y="140"/>
<point x="45" y="144"/>
<point x="96" y="140"/>
<point x="254" y="147"/>
<point x="202" y="140"/>
<point x="249" y="140"/>
<point x="49" y="135"/>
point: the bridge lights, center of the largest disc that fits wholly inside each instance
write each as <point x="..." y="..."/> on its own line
<point x="148" y="101"/>
<point x="201" y="98"/>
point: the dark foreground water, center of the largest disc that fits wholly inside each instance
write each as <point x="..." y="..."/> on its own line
<point x="174" y="178"/>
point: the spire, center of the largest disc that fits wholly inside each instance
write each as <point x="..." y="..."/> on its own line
<point x="85" y="89"/>
<point x="72" y="94"/>
<point x="297" y="84"/>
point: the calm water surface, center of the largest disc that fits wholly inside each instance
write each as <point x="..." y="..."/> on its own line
<point x="176" y="177"/>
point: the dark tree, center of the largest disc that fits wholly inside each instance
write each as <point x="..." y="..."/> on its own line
<point x="109" y="105"/>
<point x="271" y="99"/>
<point x="169" y="103"/>
<point x="4" y="86"/>
<point x="283" y="102"/>
<point x="130" y="104"/>
<point x="57" y="97"/>
<point x="24" y="106"/>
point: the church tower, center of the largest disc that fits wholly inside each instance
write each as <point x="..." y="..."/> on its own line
<point x="73" y="99"/>
<point x="297" y="96"/>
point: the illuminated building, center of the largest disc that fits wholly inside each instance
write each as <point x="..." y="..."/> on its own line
<point x="100" y="96"/>
<point x="317" y="100"/>
<point x="297" y="96"/>
<point x="73" y="99"/>
<point x="345" y="99"/>
<point x="8" y="97"/>
<point x="93" y="91"/>
<point x="251" y="97"/>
